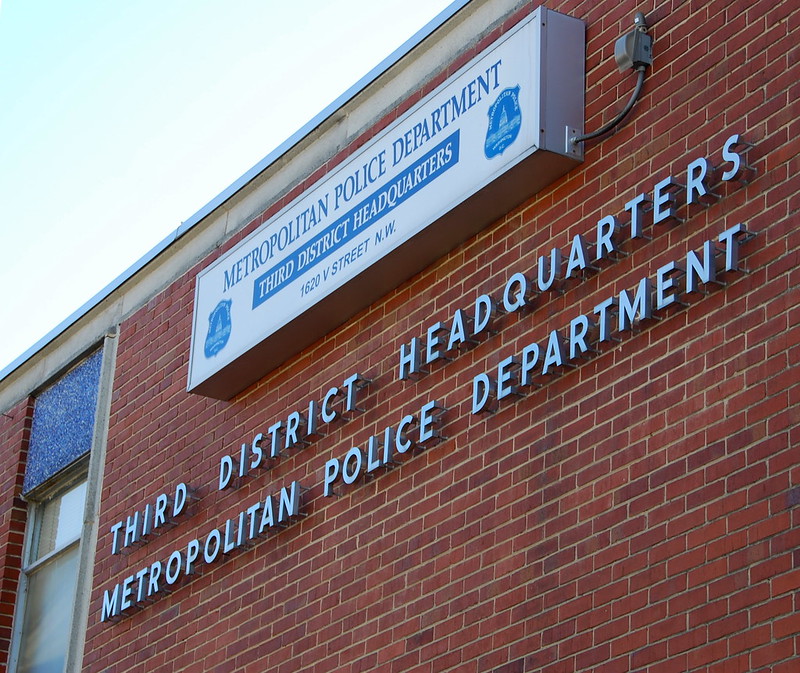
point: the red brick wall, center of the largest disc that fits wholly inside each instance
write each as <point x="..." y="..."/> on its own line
<point x="15" y="430"/>
<point x="637" y="513"/>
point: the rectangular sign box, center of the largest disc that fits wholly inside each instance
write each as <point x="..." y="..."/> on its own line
<point x="491" y="136"/>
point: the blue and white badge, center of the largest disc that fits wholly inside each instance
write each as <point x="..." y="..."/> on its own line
<point x="219" y="328"/>
<point x="505" y="120"/>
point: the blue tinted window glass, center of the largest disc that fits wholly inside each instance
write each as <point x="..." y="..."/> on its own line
<point x="63" y="422"/>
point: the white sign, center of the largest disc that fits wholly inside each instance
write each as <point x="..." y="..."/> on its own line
<point x="368" y="224"/>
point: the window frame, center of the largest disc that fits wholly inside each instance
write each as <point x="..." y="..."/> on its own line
<point x="90" y="467"/>
<point x="37" y="500"/>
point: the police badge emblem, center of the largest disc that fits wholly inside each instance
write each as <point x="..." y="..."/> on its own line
<point x="505" y="119"/>
<point x="219" y="328"/>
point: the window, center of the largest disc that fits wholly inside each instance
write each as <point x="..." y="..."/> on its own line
<point x="65" y="454"/>
<point x="51" y="572"/>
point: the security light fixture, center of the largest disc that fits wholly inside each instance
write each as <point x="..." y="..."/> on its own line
<point x="633" y="50"/>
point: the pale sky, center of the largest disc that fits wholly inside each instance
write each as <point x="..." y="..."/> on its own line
<point x="120" y="120"/>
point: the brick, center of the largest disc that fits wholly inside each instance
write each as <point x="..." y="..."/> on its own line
<point x="635" y="514"/>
